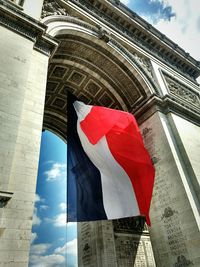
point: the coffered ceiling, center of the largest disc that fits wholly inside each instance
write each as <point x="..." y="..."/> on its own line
<point x="93" y="74"/>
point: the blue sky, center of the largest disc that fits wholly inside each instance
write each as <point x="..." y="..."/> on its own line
<point x="177" y="19"/>
<point x="180" y="21"/>
<point x="53" y="243"/>
<point x="153" y="10"/>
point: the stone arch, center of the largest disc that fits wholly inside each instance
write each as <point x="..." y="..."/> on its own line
<point x="90" y="63"/>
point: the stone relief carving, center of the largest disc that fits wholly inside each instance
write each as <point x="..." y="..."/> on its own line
<point x="178" y="89"/>
<point x="145" y="131"/>
<point x="136" y="224"/>
<point x="51" y="7"/>
<point x="103" y="34"/>
<point x="144" y="63"/>
<point x="168" y="212"/>
<point x="182" y="262"/>
<point x="86" y="247"/>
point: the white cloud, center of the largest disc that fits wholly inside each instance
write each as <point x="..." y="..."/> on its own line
<point x="60" y="220"/>
<point x="72" y="247"/>
<point x="69" y="248"/>
<point x="34" y="236"/>
<point x="61" y="250"/>
<point x="53" y="260"/>
<point x="125" y="2"/>
<point x="63" y="206"/>
<point x="39" y="249"/>
<point x="36" y="219"/>
<point x="184" y="28"/>
<point x="43" y="207"/>
<point x="70" y="224"/>
<point x="39" y="256"/>
<point x="38" y="199"/>
<point x="57" y="171"/>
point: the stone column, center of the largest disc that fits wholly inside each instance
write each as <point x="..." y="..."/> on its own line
<point x="23" y="73"/>
<point x="96" y="246"/>
<point x="174" y="210"/>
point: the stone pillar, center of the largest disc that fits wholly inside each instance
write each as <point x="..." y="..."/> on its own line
<point x="23" y="73"/>
<point x="132" y="243"/>
<point x="96" y="246"/>
<point x="173" y="143"/>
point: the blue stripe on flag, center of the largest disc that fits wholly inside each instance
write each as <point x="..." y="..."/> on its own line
<point x="84" y="189"/>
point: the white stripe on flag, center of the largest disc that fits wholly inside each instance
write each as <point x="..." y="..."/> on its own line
<point x="118" y="195"/>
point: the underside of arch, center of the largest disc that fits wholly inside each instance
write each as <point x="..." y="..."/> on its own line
<point x="94" y="72"/>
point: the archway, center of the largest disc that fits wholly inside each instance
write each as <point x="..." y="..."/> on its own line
<point x="98" y="70"/>
<point x="94" y="67"/>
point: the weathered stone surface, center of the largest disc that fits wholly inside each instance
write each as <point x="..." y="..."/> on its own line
<point x="119" y="243"/>
<point x="174" y="231"/>
<point x="23" y="78"/>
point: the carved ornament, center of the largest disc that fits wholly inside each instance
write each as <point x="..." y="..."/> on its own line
<point x="168" y="212"/>
<point x="181" y="91"/>
<point x="103" y="34"/>
<point x="51" y="7"/>
<point x="182" y="261"/>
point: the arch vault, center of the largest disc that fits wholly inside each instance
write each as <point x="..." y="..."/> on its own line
<point x="92" y="65"/>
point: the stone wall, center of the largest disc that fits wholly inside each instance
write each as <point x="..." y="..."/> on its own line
<point x="174" y="231"/>
<point x="22" y="92"/>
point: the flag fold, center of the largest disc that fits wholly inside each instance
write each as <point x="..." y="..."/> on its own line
<point x="109" y="170"/>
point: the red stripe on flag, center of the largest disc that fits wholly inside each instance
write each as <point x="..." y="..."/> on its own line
<point x="126" y="145"/>
<point x="100" y="120"/>
<point x="134" y="159"/>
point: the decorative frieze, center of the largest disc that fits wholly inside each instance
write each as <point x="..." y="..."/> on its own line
<point x="181" y="91"/>
<point x="129" y="225"/>
<point x="141" y="62"/>
<point x="144" y="62"/>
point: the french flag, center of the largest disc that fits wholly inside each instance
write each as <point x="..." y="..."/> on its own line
<point x="110" y="173"/>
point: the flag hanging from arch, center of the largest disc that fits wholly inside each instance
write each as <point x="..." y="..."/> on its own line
<point x="110" y="174"/>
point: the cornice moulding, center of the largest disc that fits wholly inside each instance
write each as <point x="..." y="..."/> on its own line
<point x="167" y="104"/>
<point x="14" y="19"/>
<point x="138" y="31"/>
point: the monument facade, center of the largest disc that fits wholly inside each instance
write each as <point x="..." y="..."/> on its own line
<point x="106" y="55"/>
